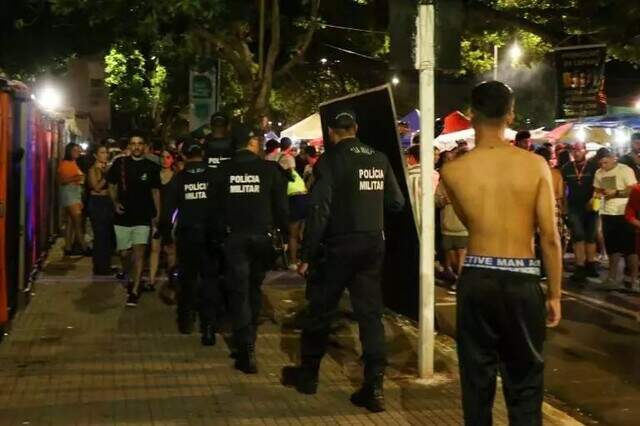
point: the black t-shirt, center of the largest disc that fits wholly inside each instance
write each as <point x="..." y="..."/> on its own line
<point x="579" y="180"/>
<point x="631" y="162"/>
<point x="135" y="178"/>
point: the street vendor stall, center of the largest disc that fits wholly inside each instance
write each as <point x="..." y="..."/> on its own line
<point x="308" y="129"/>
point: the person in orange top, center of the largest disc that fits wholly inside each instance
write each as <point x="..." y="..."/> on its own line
<point x="71" y="181"/>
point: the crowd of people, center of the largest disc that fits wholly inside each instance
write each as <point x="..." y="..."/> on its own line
<point x="597" y="208"/>
<point x="192" y="207"/>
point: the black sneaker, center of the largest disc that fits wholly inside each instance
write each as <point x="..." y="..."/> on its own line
<point x="121" y="276"/>
<point x="132" y="300"/>
<point x="592" y="270"/>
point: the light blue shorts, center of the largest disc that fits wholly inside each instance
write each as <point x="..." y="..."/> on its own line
<point x="128" y="236"/>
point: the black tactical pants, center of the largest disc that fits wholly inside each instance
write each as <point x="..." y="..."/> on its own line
<point x="501" y="326"/>
<point x="199" y="269"/>
<point x="351" y="262"/>
<point x="247" y="258"/>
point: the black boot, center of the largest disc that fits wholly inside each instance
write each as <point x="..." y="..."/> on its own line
<point x="208" y="337"/>
<point x="304" y="379"/>
<point x="370" y="395"/>
<point x="579" y="275"/>
<point x="246" y="360"/>
<point x="592" y="270"/>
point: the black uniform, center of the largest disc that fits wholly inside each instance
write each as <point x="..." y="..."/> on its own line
<point x="344" y="243"/>
<point x="196" y="244"/>
<point x="251" y="196"/>
<point x="217" y="151"/>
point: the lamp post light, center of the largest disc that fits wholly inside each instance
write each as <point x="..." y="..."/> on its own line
<point x="49" y="98"/>
<point x="395" y="80"/>
<point x="515" y="53"/>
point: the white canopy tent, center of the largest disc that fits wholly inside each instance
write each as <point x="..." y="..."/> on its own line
<point x="307" y="129"/>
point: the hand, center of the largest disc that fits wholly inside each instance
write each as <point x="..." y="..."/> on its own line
<point x="610" y="193"/>
<point x="154" y="222"/>
<point x="119" y="208"/>
<point x="554" y="312"/>
<point x="303" y="269"/>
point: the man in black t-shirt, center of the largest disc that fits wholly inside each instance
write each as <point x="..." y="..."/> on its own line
<point x="134" y="186"/>
<point x="632" y="159"/>
<point x="578" y="176"/>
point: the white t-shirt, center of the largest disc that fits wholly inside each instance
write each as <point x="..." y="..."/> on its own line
<point x="620" y="178"/>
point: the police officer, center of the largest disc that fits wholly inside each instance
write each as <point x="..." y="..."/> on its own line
<point x="195" y="243"/>
<point x="251" y="198"/>
<point x="218" y="144"/>
<point x="344" y="244"/>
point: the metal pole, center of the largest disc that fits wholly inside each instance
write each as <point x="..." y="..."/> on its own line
<point x="425" y="58"/>
<point x="495" y="62"/>
<point x="261" y="44"/>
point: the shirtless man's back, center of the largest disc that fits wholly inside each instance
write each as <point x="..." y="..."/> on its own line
<point x="503" y="195"/>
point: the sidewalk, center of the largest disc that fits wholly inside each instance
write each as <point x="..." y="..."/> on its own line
<point x="77" y="356"/>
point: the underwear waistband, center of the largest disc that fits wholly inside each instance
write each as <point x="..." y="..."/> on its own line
<point x="519" y="265"/>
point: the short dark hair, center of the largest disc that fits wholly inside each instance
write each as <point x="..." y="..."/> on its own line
<point x="544" y="152"/>
<point x="491" y="100"/>
<point x="522" y="135"/>
<point x="310" y="150"/>
<point x="68" y="149"/>
<point x="285" y="143"/>
<point x="416" y="139"/>
<point x="219" y="119"/>
<point x="138" y="134"/>
<point x="604" y="153"/>
<point x="414" y="151"/>
<point x="271" y="146"/>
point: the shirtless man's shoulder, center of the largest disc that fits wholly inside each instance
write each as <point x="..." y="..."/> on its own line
<point x="519" y="159"/>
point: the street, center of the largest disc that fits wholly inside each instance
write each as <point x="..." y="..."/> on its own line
<point x="592" y="358"/>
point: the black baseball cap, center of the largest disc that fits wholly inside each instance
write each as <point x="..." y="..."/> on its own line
<point x="219" y="119"/>
<point x="191" y="147"/>
<point x="241" y="134"/>
<point x="343" y="119"/>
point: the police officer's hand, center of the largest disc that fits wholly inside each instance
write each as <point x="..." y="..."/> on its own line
<point x="303" y="269"/>
<point x="119" y="208"/>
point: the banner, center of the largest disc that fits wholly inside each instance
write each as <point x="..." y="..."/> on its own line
<point x="580" y="81"/>
<point x="203" y="97"/>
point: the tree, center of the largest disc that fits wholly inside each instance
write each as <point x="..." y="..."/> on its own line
<point x="199" y="28"/>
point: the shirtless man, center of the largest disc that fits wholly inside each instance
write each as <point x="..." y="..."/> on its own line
<point x="501" y="307"/>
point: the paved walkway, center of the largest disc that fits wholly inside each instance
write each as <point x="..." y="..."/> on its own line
<point x="77" y="356"/>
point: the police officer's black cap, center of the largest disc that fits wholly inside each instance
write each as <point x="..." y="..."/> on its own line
<point x="191" y="147"/>
<point x="241" y="134"/>
<point x="343" y="119"/>
<point x="219" y="119"/>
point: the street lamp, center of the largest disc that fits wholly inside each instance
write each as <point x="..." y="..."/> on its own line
<point x="395" y="80"/>
<point x="49" y="98"/>
<point x="324" y="61"/>
<point x="514" y="53"/>
<point x="637" y="105"/>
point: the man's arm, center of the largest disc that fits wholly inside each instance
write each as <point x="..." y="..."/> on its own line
<point x="393" y="198"/>
<point x="319" y="212"/>
<point x="447" y="180"/>
<point x="155" y="193"/>
<point x="112" y="179"/>
<point x="632" y="211"/>
<point x="549" y="243"/>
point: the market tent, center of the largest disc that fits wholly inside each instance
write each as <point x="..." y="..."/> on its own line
<point x="606" y="130"/>
<point x="309" y="128"/>
<point x="446" y="142"/>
